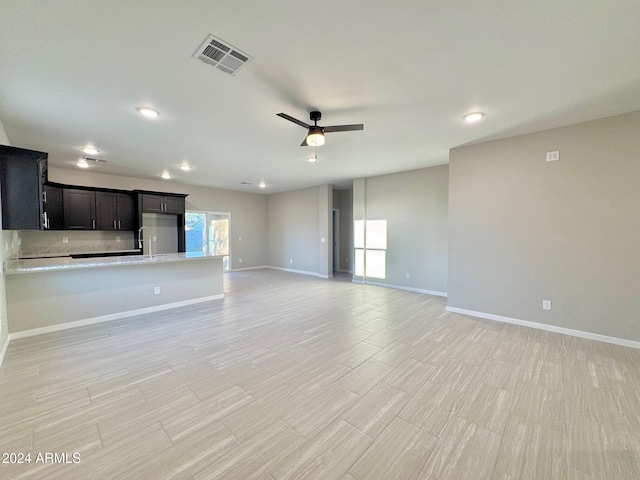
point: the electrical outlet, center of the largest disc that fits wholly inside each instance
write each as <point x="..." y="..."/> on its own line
<point x="154" y="238"/>
<point x="117" y="239"/>
<point x="156" y="290"/>
<point x="239" y="239"/>
<point x="239" y="260"/>
<point x="546" y="304"/>
<point x="322" y="240"/>
<point x="407" y="275"/>
<point x="65" y="239"/>
<point x="291" y="260"/>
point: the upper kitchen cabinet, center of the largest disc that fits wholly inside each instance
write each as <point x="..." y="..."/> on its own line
<point x="162" y="203"/>
<point x="22" y="175"/>
<point x="114" y="211"/>
<point x="53" y="208"/>
<point x="79" y="209"/>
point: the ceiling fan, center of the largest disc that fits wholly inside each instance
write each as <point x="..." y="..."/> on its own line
<point x="315" y="137"/>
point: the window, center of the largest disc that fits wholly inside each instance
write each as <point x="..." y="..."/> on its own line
<point x="208" y="232"/>
<point x="370" y="241"/>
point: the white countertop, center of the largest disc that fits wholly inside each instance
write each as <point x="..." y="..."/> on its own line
<point x="68" y="263"/>
<point x="74" y="252"/>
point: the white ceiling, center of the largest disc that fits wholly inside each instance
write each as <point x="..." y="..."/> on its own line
<point x="73" y="72"/>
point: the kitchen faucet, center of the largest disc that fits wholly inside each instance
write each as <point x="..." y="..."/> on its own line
<point x="149" y="241"/>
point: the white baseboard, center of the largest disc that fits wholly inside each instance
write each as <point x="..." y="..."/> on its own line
<point x="409" y="289"/>
<point x="399" y="287"/>
<point x="249" y="268"/>
<point x="549" y="328"/>
<point x="114" y="316"/>
<point x="4" y="348"/>
<point x="303" y="272"/>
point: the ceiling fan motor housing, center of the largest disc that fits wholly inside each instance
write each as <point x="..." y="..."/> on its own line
<point x="315" y="116"/>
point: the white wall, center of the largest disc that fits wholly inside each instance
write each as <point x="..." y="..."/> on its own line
<point x="248" y="210"/>
<point x="523" y="230"/>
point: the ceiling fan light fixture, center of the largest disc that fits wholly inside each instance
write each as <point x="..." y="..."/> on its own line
<point x="185" y="167"/>
<point x="82" y="163"/>
<point x="315" y="138"/>
<point x="166" y="175"/>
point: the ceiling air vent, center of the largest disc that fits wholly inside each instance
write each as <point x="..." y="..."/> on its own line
<point x="221" y="55"/>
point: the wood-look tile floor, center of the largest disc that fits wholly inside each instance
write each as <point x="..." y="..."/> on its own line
<point x="293" y="377"/>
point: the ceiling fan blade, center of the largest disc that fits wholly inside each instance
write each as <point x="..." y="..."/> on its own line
<point x="294" y="120"/>
<point x="304" y="143"/>
<point x="343" y="128"/>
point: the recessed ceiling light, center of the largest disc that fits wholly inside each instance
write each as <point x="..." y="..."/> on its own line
<point x="90" y="150"/>
<point x="166" y="175"/>
<point x="148" y="112"/>
<point x="312" y="158"/>
<point x="473" y="117"/>
<point x="262" y="185"/>
<point x="185" y="167"/>
<point x="82" y="163"/>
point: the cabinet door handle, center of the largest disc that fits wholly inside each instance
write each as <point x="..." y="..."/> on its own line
<point x="44" y="196"/>
<point x="114" y="225"/>
<point x="119" y="226"/>
<point x="44" y="220"/>
<point x="94" y="224"/>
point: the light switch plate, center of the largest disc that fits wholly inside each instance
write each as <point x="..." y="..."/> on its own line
<point x="546" y="304"/>
<point x="553" y="156"/>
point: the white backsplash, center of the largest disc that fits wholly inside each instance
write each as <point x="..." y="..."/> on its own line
<point x="51" y="243"/>
<point x="10" y="244"/>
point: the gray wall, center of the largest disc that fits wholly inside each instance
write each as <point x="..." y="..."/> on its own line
<point x="414" y="204"/>
<point x="522" y="229"/>
<point x="248" y="210"/>
<point x="293" y="231"/>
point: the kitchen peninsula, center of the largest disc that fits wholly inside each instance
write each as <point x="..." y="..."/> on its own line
<point x="50" y="294"/>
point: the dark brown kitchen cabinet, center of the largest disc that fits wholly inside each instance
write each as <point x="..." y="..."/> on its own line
<point x="114" y="211"/>
<point x="152" y="203"/>
<point x="79" y="209"/>
<point x="22" y="175"/>
<point x="53" y="208"/>
<point x="126" y="211"/>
